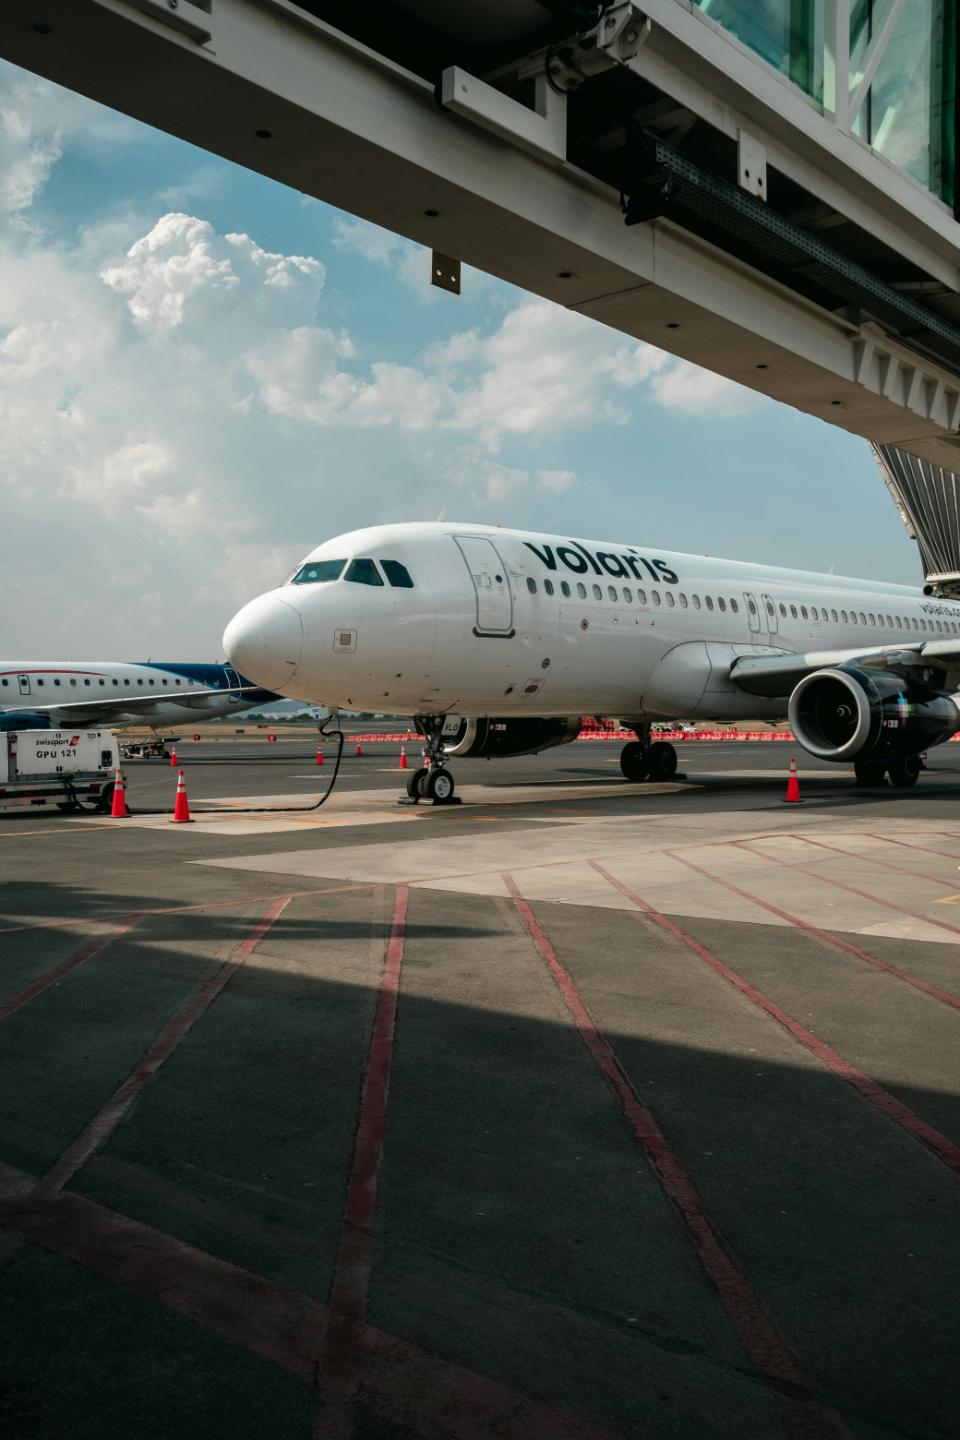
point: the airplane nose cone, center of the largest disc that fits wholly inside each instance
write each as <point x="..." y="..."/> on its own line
<point x="264" y="641"/>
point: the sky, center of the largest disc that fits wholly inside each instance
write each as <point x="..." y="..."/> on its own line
<point x="204" y="374"/>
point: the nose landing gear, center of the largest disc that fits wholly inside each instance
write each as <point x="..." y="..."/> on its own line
<point x="431" y="782"/>
<point x="639" y="760"/>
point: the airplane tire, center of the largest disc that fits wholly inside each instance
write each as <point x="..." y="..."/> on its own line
<point x="633" y="760"/>
<point x="904" y="773"/>
<point x="869" y="772"/>
<point x="438" y="786"/>
<point x="414" y="781"/>
<point x="661" y="761"/>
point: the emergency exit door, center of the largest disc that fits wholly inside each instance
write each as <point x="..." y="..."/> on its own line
<point x="490" y="585"/>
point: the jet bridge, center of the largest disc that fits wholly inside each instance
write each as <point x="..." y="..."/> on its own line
<point x="928" y="500"/>
<point x="764" y="187"/>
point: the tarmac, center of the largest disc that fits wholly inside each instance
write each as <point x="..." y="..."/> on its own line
<point x="580" y="1110"/>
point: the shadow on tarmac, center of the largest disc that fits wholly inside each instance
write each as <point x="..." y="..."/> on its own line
<point x="521" y="1230"/>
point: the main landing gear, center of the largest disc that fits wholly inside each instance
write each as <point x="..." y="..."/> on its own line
<point x="903" y="773"/>
<point x="431" y="782"/>
<point x="639" y="760"/>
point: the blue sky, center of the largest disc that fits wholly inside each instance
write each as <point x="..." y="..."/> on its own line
<point x="204" y="374"/>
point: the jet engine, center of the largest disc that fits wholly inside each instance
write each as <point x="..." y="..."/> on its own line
<point x="25" y="720"/>
<point x="500" y="738"/>
<point x="853" y="714"/>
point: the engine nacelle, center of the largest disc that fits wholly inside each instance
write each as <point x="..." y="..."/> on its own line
<point x="25" y="720"/>
<point x="850" y="714"/>
<point x="501" y="738"/>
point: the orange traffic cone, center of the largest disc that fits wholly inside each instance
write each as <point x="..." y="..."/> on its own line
<point x="181" y="810"/>
<point x="792" y="796"/>
<point x="173" y="756"/>
<point x="359" y="748"/>
<point x="319" y="756"/>
<point x="118" y="810"/>
<point x="403" y="758"/>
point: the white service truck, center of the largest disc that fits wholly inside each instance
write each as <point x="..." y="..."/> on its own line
<point x="72" y="769"/>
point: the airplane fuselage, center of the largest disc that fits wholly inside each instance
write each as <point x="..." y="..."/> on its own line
<point x="427" y="619"/>
<point x="33" y="686"/>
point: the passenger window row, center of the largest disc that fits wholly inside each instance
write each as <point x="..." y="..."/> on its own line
<point x="812" y="612"/>
<point x="626" y="594"/>
<point x="167" y="682"/>
<point x="878" y="621"/>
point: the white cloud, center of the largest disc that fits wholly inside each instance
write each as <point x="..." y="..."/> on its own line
<point x="37" y="119"/>
<point x="556" y="481"/>
<point x="695" y="391"/>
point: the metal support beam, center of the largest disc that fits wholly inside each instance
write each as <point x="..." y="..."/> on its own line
<point x="872" y="56"/>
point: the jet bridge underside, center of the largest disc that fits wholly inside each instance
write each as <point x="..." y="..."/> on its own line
<point x="511" y="175"/>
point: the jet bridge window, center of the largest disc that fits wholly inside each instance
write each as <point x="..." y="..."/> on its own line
<point x="317" y="570"/>
<point x="397" y="574"/>
<point x="363" y="572"/>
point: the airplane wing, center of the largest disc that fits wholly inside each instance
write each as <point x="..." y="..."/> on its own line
<point x="106" y="711"/>
<point x="935" y="663"/>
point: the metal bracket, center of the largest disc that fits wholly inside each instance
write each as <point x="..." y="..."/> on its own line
<point x="445" y="272"/>
<point x="543" y="130"/>
<point x="192" y="18"/>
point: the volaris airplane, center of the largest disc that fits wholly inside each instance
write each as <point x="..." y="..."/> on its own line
<point x="497" y="642"/>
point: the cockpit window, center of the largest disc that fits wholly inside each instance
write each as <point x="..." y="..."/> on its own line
<point x="363" y="572"/>
<point x="397" y="574"/>
<point x="316" y="570"/>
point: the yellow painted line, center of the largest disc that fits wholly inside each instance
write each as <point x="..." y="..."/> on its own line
<point x="949" y="900"/>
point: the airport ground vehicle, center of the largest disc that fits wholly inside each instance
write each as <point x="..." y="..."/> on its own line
<point x="73" y="770"/>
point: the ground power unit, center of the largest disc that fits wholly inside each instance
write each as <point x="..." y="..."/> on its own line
<point x="72" y="769"/>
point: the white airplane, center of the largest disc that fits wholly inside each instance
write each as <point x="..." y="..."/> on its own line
<point x="50" y="693"/>
<point x="497" y="641"/>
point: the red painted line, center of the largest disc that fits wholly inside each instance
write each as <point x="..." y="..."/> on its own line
<point x="399" y="1381"/>
<point x="927" y="849"/>
<point x="103" y="1124"/>
<point x="867" y="856"/>
<point x="52" y="977"/>
<point x="827" y="936"/>
<point x="852" y="889"/>
<point x="339" y="1367"/>
<point x="805" y="1415"/>
<point x="888" y="1104"/>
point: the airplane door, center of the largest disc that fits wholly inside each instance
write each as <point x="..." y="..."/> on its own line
<point x="24" y="682"/>
<point x="773" y="623"/>
<point x="753" y="612"/>
<point x="490" y="584"/>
